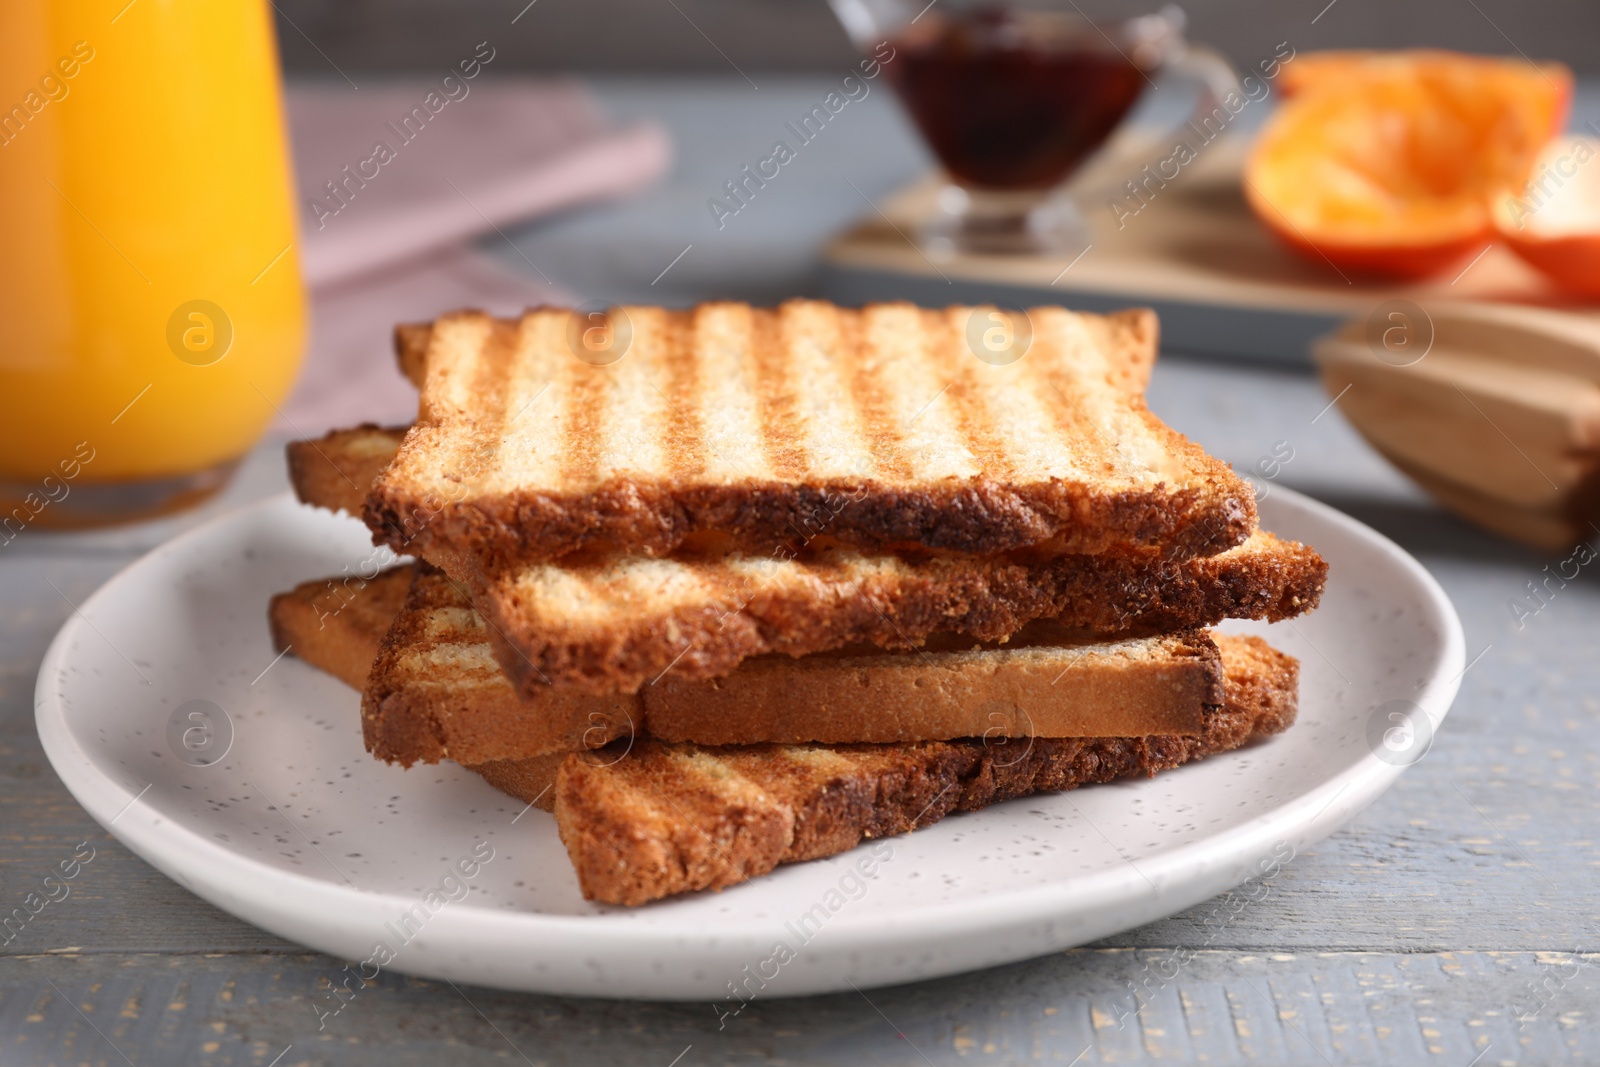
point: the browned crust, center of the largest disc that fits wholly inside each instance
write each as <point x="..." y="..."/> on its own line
<point x="417" y="707"/>
<point x="672" y="819"/>
<point x="411" y="349"/>
<point x="337" y="624"/>
<point x="336" y="470"/>
<point x="1259" y="679"/>
<point x="984" y="598"/>
<point x="531" y="780"/>
<point x="474" y="718"/>
<point x="1027" y="689"/>
<point x="980" y="516"/>
<point x="988" y="600"/>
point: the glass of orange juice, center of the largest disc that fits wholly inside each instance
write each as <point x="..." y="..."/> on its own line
<point x="151" y="311"/>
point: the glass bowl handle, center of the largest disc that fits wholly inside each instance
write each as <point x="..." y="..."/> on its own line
<point x="1216" y="80"/>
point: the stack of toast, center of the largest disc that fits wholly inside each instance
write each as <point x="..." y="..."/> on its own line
<point x="740" y="587"/>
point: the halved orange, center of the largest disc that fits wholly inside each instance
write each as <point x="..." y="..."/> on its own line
<point x="1308" y="70"/>
<point x="1312" y="70"/>
<point x="1553" y="221"/>
<point x="1390" y="163"/>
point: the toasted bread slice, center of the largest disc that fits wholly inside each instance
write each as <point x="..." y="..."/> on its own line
<point x="666" y="819"/>
<point x="336" y="471"/>
<point x="643" y="428"/>
<point x="432" y="694"/>
<point x="812" y="800"/>
<point x="531" y="780"/>
<point x="436" y="693"/>
<point x="338" y="624"/>
<point x="619" y="624"/>
<point x="614" y="625"/>
<point x="411" y="340"/>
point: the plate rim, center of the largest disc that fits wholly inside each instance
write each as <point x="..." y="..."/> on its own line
<point x="291" y="904"/>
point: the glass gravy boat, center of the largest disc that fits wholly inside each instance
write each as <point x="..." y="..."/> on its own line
<point x="1013" y="98"/>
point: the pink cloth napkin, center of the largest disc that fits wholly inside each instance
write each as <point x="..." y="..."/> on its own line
<point x="350" y="375"/>
<point x="413" y="181"/>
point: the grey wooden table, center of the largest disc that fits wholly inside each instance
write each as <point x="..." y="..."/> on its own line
<point x="1451" y="923"/>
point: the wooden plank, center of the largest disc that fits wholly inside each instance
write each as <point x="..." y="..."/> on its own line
<point x="1288" y="1009"/>
<point x="1551" y="527"/>
<point x="40" y="594"/>
<point x="116" y="901"/>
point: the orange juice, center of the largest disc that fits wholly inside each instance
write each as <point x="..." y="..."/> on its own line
<point x="151" y="310"/>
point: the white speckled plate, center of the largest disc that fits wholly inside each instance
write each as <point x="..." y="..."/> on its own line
<point x="278" y="815"/>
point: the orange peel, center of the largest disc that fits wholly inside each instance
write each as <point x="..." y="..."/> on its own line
<point x="1392" y="163"/>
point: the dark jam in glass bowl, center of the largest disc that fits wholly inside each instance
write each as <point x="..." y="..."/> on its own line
<point x="1010" y="99"/>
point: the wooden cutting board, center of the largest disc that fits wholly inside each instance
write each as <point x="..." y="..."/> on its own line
<point x="1192" y="250"/>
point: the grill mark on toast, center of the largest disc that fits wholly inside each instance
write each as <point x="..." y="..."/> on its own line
<point x="875" y="412"/>
<point x="719" y="835"/>
<point x="835" y="441"/>
<point x="918" y="413"/>
<point x="585" y="392"/>
<point x="1191" y="505"/>
<point x="782" y="429"/>
<point x="1052" y="369"/>
<point x="526" y="394"/>
<point x="566" y="618"/>
<point x="474" y="459"/>
<point x="492" y="395"/>
<point x="338" y="625"/>
<point x="804" y="606"/>
<point x="946" y="346"/>
<point x="435" y="691"/>
<point x="1016" y="416"/>
<point x="495" y="370"/>
<point x="1075" y="421"/>
<point x="637" y="429"/>
<point x="1132" y="437"/>
<point x="337" y="472"/>
<point x="463" y="456"/>
<point x="729" y="396"/>
<point x="685" y="436"/>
